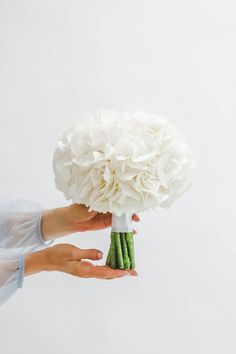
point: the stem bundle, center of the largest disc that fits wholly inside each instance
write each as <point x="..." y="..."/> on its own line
<point x="121" y="252"/>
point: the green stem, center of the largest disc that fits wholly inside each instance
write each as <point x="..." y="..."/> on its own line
<point x="113" y="251"/>
<point x="108" y="260"/>
<point x="125" y="251"/>
<point x="119" y="254"/>
<point x="130" y="244"/>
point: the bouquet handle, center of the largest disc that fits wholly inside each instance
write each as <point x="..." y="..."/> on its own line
<point x="121" y="251"/>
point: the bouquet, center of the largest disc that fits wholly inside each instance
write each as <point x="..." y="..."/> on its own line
<point x="122" y="163"/>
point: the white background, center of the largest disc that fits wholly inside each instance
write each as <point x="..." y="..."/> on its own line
<point x="59" y="59"/>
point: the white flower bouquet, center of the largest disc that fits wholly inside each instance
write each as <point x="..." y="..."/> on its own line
<point x="122" y="163"/>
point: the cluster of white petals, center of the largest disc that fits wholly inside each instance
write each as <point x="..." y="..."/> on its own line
<point x="122" y="162"/>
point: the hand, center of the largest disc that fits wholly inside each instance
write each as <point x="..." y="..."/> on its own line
<point x="70" y="259"/>
<point x="76" y="217"/>
<point x="84" y="220"/>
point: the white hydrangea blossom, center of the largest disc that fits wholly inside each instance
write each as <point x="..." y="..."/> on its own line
<point x="122" y="162"/>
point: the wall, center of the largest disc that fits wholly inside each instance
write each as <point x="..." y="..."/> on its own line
<point x="59" y="59"/>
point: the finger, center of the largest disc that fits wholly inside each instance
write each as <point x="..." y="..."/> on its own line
<point x="129" y="271"/>
<point x="100" y="221"/>
<point x="119" y="276"/>
<point x="110" y="278"/>
<point x="92" y="254"/>
<point x="103" y="220"/>
<point x="107" y="272"/>
<point x="83" y="210"/>
<point x="135" y="232"/>
<point x="88" y="270"/>
<point x="135" y="217"/>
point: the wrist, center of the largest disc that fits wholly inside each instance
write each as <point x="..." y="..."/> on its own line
<point x="36" y="262"/>
<point x="55" y="223"/>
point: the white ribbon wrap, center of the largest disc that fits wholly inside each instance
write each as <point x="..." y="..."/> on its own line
<point x="121" y="223"/>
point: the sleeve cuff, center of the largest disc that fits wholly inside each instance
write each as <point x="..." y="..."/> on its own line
<point x="41" y="241"/>
<point x="39" y="235"/>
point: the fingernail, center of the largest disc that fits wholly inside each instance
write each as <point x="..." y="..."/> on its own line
<point x="99" y="255"/>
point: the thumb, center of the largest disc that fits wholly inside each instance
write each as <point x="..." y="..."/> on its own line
<point x="92" y="254"/>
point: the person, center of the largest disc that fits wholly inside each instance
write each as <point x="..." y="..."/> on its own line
<point x="27" y="232"/>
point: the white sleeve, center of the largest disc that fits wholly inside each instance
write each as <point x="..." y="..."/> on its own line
<point x="11" y="273"/>
<point x="20" y="233"/>
<point x="20" y="225"/>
